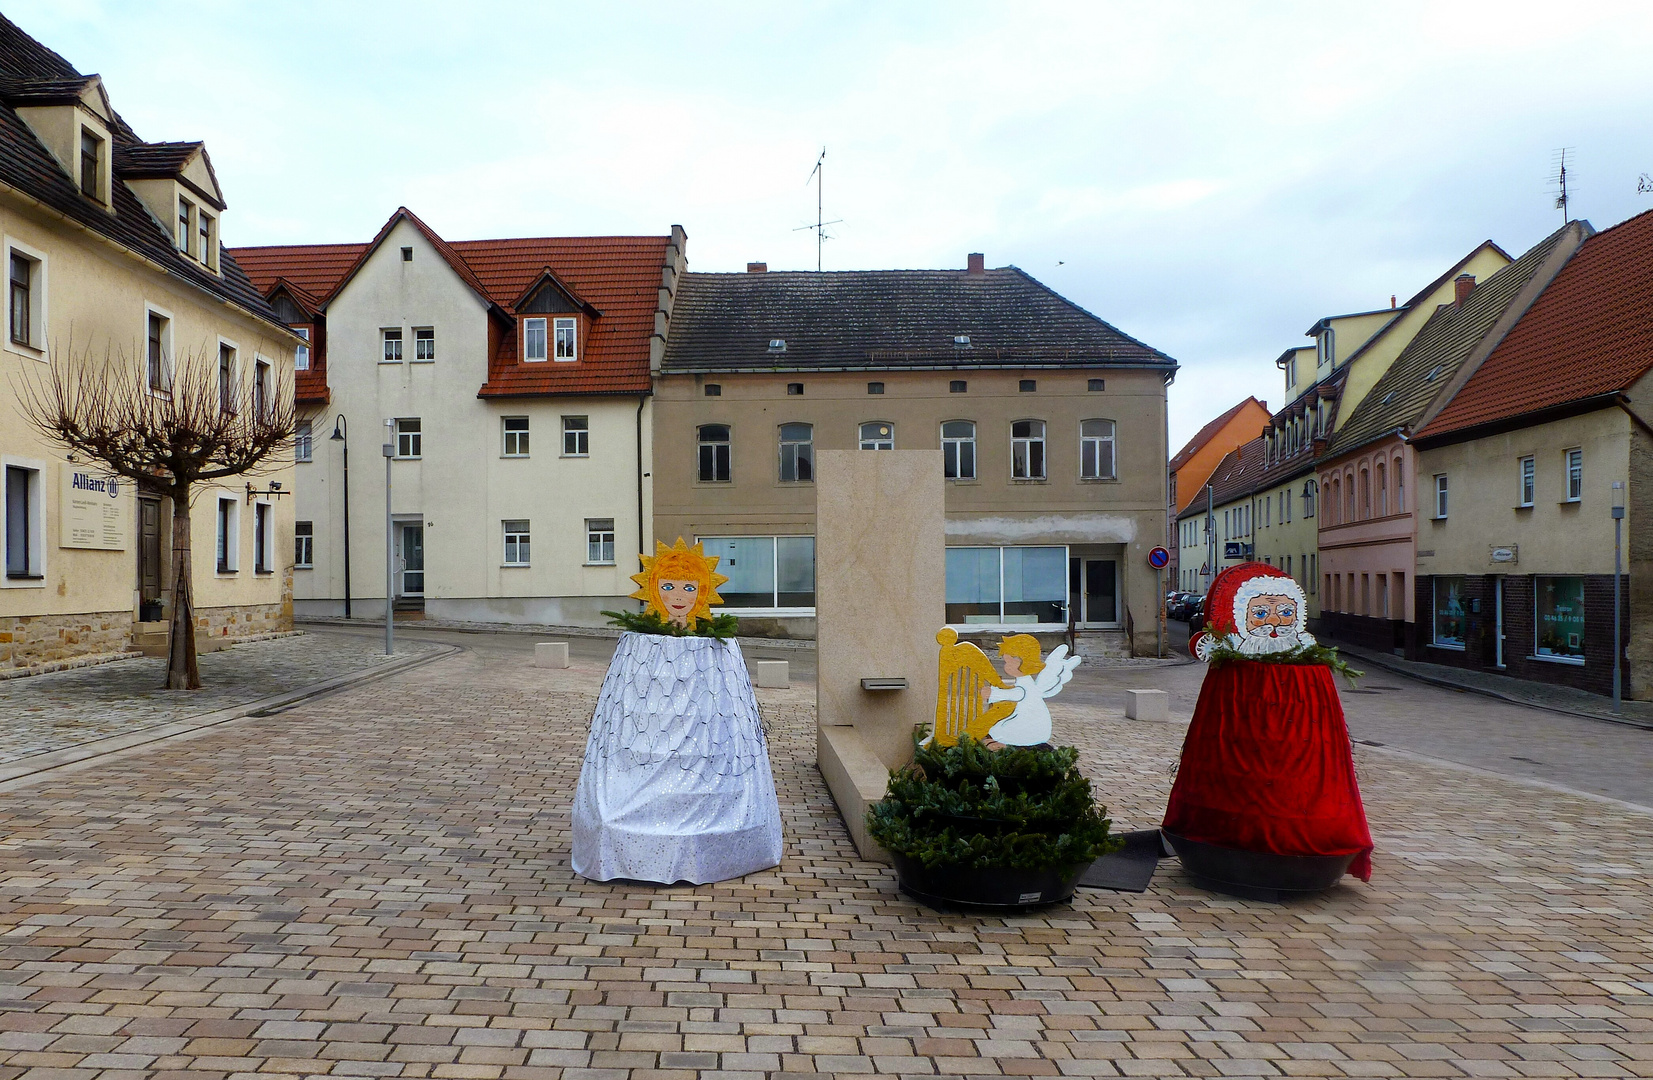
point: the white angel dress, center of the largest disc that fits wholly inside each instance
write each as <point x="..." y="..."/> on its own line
<point x="676" y="783"/>
<point x="1029" y="722"/>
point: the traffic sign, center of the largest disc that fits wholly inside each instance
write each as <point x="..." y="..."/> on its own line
<point x="1159" y="558"/>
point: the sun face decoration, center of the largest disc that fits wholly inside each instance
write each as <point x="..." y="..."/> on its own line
<point x="678" y="583"/>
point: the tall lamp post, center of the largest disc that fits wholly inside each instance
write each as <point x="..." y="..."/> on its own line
<point x="1618" y="647"/>
<point x="341" y="433"/>
<point x="389" y="450"/>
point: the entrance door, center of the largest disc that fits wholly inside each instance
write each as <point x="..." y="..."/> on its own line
<point x="411" y="558"/>
<point x="1498" y="620"/>
<point x="149" y="550"/>
<point x="1094" y="584"/>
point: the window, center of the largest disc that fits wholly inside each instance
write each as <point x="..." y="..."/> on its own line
<point x="301" y="356"/>
<point x="877" y="435"/>
<point x="261" y="538"/>
<point x="160" y="365"/>
<point x="1558" y="623"/>
<point x="1382" y="490"/>
<point x="1308" y="501"/>
<point x="533" y="340"/>
<point x="391" y="338"/>
<point x="1096" y="460"/>
<point x="226" y="378"/>
<point x="424" y="344"/>
<point x="407" y="254"/>
<point x="1575" y="475"/>
<point x="21" y="300"/>
<point x="25" y="541"/>
<point x="777" y="345"/>
<point x="1027" y="450"/>
<point x="599" y="540"/>
<point x="958" y="386"/>
<point x="184" y="233"/>
<point x="1365" y="493"/>
<point x="91" y="163"/>
<point x="576" y="436"/>
<point x="303" y="444"/>
<point x="958" y="449"/>
<point x="1007" y="585"/>
<point x="1400" y="487"/>
<point x="566" y="331"/>
<point x="516" y="543"/>
<point x="765" y="571"/>
<point x="515" y="436"/>
<point x="797" y="453"/>
<point x="228" y="549"/>
<point x="1028" y="386"/>
<point x="875" y="388"/>
<point x="1529" y="484"/>
<point x="203" y="221"/>
<point x="1440" y="495"/>
<point x="795" y="389"/>
<point x="714" y="453"/>
<point x="1328" y="348"/>
<point x="1096" y="386"/>
<point x="1449" y="612"/>
<point x="304" y="545"/>
<point x="410" y="438"/>
<point x="263" y="403"/>
<point x="1314" y="572"/>
<point x="714" y="390"/>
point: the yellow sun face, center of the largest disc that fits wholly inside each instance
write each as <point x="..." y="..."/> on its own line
<point x="678" y="583"/>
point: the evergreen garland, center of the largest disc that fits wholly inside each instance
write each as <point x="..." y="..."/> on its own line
<point x="721" y="627"/>
<point x="1303" y="654"/>
<point x="1017" y="808"/>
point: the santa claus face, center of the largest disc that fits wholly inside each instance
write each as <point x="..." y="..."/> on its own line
<point x="1271" y="616"/>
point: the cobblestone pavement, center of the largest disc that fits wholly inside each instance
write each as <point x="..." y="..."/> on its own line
<point x="43" y="713"/>
<point x="377" y="884"/>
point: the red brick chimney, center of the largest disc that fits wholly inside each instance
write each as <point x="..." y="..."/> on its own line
<point x="1461" y="285"/>
<point x="977" y="263"/>
<point x="757" y="268"/>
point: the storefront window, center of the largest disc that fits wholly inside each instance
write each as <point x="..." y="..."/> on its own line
<point x="764" y="571"/>
<point x="1013" y="585"/>
<point x="1449" y="612"/>
<point x="1559" y="620"/>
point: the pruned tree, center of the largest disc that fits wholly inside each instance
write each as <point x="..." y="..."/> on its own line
<point x="170" y="431"/>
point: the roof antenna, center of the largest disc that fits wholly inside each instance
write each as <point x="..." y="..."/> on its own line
<point x="1560" y="182"/>
<point x="818" y="174"/>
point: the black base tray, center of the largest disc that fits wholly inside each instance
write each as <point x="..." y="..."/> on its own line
<point x="949" y="886"/>
<point x="1257" y="875"/>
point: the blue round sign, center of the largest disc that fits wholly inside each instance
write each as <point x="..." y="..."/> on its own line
<point x="1159" y="558"/>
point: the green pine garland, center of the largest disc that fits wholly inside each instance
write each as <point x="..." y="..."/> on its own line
<point x="721" y="627"/>
<point x="1303" y="654"/>
<point x="1016" y="808"/>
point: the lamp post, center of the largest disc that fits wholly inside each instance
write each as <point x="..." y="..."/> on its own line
<point x="1618" y="648"/>
<point x="341" y="433"/>
<point x="389" y="450"/>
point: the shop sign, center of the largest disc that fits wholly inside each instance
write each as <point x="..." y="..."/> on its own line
<point x="1510" y="553"/>
<point x="93" y="509"/>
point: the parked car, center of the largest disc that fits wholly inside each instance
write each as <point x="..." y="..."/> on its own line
<point x="1196" y="619"/>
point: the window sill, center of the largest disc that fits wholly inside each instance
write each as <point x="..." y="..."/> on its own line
<point x="513" y="457"/>
<point x="304" y="566"/>
<point x="226" y="573"/>
<point x="1029" y="480"/>
<point x="1444" y="645"/>
<point x="25" y="581"/>
<point x="794" y="483"/>
<point x="391" y="363"/>
<point x="1570" y="661"/>
<point x="1099" y="479"/>
<point x="570" y="455"/>
<point x="1437" y="520"/>
<point x="264" y="573"/>
<point x="1571" y="502"/>
<point x="714" y="483"/>
<point x="431" y="361"/>
<point x="609" y="563"/>
<point x="23" y="348"/>
<point x="407" y="457"/>
<point x="963" y="481"/>
<point x="516" y="566"/>
<point x="567" y="360"/>
<point x="1522" y="506"/>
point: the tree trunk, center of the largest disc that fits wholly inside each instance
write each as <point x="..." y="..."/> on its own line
<point x="182" y="671"/>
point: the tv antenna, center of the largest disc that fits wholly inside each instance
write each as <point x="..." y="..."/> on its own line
<point x="1559" y="180"/>
<point x="1644" y="184"/>
<point x="818" y="174"/>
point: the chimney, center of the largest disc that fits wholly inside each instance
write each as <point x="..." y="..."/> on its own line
<point x="977" y="263"/>
<point x="757" y="268"/>
<point x="1391" y="301"/>
<point x="1461" y="285"/>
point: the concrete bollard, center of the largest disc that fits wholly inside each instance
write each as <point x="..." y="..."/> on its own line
<point x="1147" y="705"/>
<point x="772" y="674"/>
<point x="551" y="654"/>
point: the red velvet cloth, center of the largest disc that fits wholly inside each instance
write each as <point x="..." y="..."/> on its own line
<point x="1266" y="766"/>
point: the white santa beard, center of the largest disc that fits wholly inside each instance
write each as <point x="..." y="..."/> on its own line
<point x="1260" y="641"/>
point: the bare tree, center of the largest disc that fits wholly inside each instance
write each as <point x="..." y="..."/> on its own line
<point x="169" y="431"/>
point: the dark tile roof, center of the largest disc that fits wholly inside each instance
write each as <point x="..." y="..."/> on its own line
<point x="1588" y="335"/>
<point x="888" y="319"/>
<point x="138" y="160"/>
<point x="28" y="167"/>
<point x="1430" y="360"/>
<point x="1209" y="431"/>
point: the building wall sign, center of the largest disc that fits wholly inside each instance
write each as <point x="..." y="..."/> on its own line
<point x="1506" y="553"/>
<point x="93" y="509"/>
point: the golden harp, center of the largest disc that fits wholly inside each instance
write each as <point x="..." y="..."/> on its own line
<point x="963" y="670"/>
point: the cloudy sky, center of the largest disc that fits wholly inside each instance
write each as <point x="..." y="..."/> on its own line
<point x="1209" y="178"/>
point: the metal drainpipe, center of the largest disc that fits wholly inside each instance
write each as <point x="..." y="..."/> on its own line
<point x="641" y="398"/>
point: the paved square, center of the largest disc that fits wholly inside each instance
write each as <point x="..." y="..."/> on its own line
<point x="377" y="884"/>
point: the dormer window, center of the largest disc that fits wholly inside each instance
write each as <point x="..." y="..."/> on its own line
<point x="533" y="340"/>
<point x="204" y="229"/>
<point x="184" y="209"/>
<point x="1328" y="348"/>
<point x="566" y="331"/>
<point x="777" y="345"/>
<point x="91" y="163"/>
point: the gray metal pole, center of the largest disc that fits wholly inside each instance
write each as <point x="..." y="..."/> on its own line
<point x="1618" y="648"/>
<point x="389" y="449"/>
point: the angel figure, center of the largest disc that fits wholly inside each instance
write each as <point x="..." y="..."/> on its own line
<point x="1032" y="681"/>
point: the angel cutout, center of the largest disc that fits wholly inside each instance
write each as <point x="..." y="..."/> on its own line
<point x="1032" y="681"/>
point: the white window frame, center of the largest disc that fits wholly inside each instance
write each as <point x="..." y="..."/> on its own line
<point x="529" y="325"/>
<point x="955" y="444"/>
<point x="235" y="375"/>
<point x="1112" y="441"/>
<point x="594" y="541"/>
<point x="303" y="441"/>
<point x="1442" y="492"/>
<point x="803" y="453"/>
<point x="301" y="354"/>
<point x="304" y="546"/>
<point x="416" y="438"/>
<point x="876" y="442"/>
<point x="1067" y="593"/>
<point x="263" y="388"/>
<point x="168" y="355"/>
<point x="264" y="536"/>
<point x="35" y="347"/>
<point x="582" y="437"/>
<point x="385" y="341"/>
<point x="516" y="544"/>
<point x="418" y="342"/>
<point x="514" y="442"/>
<point x="229" y="537"/>
<point x="36" y="499"/>
<point x="1527" y="480"/>
<point x="571" y="327"/>
<point x="1027" y="441"/>
<point x="1574" y="475"/>
<point x="775" y="562"/>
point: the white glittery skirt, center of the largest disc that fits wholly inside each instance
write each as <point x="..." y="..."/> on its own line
<point x="676" y="783"/>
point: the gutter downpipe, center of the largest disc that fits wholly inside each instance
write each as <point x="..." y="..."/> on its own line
<point x="641" y="398"/>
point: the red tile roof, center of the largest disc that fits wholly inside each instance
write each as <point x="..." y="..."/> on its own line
<point x="312" y="269"/>
<point x="1209" y="431"/>
<point x="1589" y="334"/>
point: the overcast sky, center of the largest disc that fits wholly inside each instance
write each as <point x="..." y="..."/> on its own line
<point x="1210" y="179"/>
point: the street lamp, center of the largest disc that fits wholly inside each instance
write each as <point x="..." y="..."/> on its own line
<point x="1618" y="648"/>
<point x="341" y="433"/>
<point x="389" y="450"/>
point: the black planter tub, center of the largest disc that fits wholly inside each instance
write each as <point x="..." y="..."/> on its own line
<point x="1257" y="875"/>
<point x="989" y="888"/>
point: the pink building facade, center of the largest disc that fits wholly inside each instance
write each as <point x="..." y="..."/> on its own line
<point x="1368" y="545"/>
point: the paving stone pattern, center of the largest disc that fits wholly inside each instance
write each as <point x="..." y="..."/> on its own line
<point x="49" y="712"/>
<point x="377" y="884"/>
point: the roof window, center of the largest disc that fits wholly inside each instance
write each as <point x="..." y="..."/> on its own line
<point x="407" y="254"/>
<point x="777" y="344"/>
<point x="961" y="340"/>
<point x="1433" y="373"/>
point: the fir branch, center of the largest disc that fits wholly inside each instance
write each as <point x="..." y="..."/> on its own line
<point x="722" y="627"/>
<point x="1303" y="654"/>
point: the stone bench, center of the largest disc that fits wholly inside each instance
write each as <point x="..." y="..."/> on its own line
<point x="1147" y="705"/>
<point x="771" y="674"/>
<point x="551" y="654"/>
